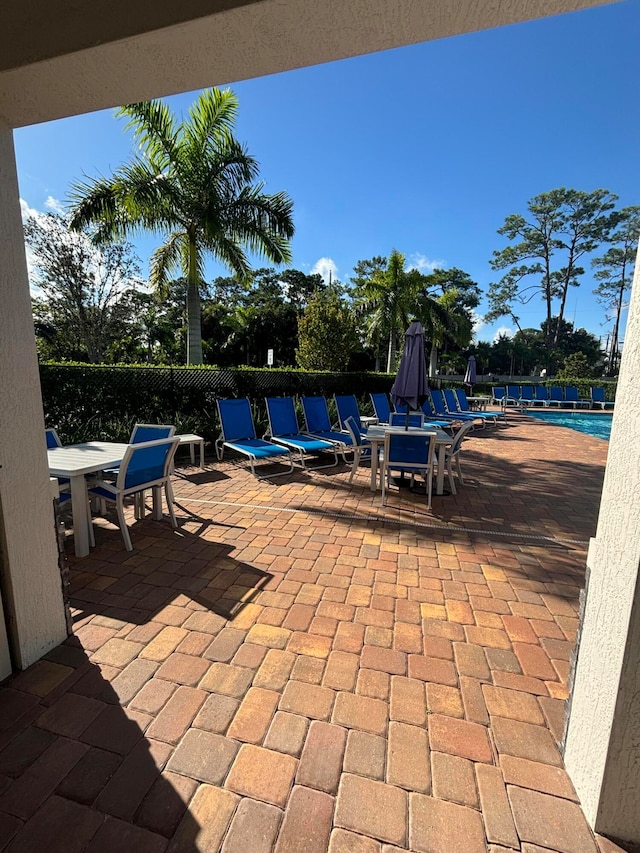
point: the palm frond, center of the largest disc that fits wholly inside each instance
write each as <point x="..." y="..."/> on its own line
<point x="230" y="253"/>
<point x="172" y="256"/>
<point x="153" y="127"/>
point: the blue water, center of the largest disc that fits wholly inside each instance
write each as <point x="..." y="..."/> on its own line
<point x="598" y="425"/>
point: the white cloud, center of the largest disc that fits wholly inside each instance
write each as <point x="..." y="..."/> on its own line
<point x="326" y="267"/>
<point x="423" y="264"/>
<point x="54" y="205"/>
<point x="503" y="330"/>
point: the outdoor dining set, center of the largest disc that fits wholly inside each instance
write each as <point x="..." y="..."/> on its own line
<point x="422" y="435"/>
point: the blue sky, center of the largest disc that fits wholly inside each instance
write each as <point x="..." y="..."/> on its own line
<point x="425" y="148"/>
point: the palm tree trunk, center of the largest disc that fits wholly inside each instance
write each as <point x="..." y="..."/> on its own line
<point x="194" y="311"/>
<point x="433" y="362"/>
<point x="391" y="353"/>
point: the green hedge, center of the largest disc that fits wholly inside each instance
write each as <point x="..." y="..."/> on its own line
<point x="102" y="402"/>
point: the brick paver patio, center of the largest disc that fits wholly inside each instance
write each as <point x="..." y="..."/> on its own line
<point x="297" y="669"/>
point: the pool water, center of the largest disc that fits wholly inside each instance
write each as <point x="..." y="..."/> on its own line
<point x="596" y="424"/>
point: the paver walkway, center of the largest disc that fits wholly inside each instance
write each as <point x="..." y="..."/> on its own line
<point x="298" y="669"/>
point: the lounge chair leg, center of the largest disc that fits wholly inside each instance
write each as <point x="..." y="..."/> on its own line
<point x="460" y="477"/>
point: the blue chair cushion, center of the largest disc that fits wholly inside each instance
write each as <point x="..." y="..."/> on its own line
<point x="257" y="447"/>
<point x="306" y="443"/>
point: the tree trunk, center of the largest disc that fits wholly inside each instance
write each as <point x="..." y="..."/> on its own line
<point x="194" y="311"/>
<point x="433" y="361"/>
<point x="613" y="362"/>
<point x="392" y="352"/>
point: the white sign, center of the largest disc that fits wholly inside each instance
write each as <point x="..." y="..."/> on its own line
<point x="270" y="358"/>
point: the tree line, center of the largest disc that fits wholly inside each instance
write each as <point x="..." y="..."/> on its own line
<point x="197" y="189"/>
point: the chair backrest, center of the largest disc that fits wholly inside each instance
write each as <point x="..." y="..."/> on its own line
<point x="399" y="419"/>
<point x="541" y="392"/>
<point x="409" y="449"/>
<point x="146" y="462"/>
<point x="451" y="400"/>
<point x="281" y="412"/>
<point x="555" y="393"/>
<point x="236" y="420"/>
<point x="52" y="438"/>
<point x="347" y="407"/>
<point x="498" y="393"/>
<point x="526" y="392"/>
<point x="381" y="407"/>
<point x="597" y="395"/>
<point x="459" y="437"/>
<point x="571" y="393"/>
<point x="351" y="426"/>
<point x="316" y="414"/>
<point x="150" y="432"/>
<point x="513" y="391"/>
<point x="427" y="407"/>
<point x="463" y="402"/>
<point x="437" y="401"/>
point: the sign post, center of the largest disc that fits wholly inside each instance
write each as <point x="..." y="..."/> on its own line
<point x="269" y="358"/>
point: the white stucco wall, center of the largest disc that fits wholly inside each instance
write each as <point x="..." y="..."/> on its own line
<point x="31" y="577"/>
<point x="240" y="43"/>
<point x="602" y="751"/>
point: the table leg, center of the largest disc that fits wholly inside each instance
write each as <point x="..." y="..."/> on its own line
<point x="440" y="480"/>
<point x="157" y="503"/>
<point x="192" y="453"/>
<point x="81" y="520"/>
<point x="202" y="454"/>
<point x="374" y="465"/>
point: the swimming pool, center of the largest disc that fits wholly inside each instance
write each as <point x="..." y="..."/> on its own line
<point x="596" y="424"/>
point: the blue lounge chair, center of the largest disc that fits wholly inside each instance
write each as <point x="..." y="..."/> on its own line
<point x="347" y="407"/>
<point x="463" y="406"/>
<point x="432" y="418"/>
<point x="381" y="407"/>
<point x="453" y="408"/>
<point x="318" y="424"/>
<point x="513" y="394"/>
<point x="598" y="400"/>
<point x="542" y="396"/>
<point x="571" y="396"/>
<point x="239" y="434"/>
<point x="500" y="396"/>
<point x="526" y="397"/>
<point x="556" y="397"/>
<point x="284" y="430"/>
<point x="440" y="408"/>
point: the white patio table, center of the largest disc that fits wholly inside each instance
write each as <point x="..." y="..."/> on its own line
<point x="74" y="462"/>
<point x="375" y="435"/>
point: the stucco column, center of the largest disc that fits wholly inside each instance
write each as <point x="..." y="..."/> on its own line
<point x="602" y="742"/>
<point x="31" y="586"/>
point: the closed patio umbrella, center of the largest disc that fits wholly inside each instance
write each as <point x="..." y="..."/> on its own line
<point x="410" y="387"/>
<point x="470" y="376"/>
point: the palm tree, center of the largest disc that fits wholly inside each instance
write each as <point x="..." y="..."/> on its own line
<point x="389" y="296"/>
<point x="443" y="319"/>
<point x="192" y="183"/>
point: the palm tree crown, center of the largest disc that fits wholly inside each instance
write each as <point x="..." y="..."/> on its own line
<point x="193" y="184"/>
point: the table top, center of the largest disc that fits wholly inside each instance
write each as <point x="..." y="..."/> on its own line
<point x="188" y="437"/>
<point x="378" y="431"/>
<point x="86" y="458"/>
<point x="481" y="398"/>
